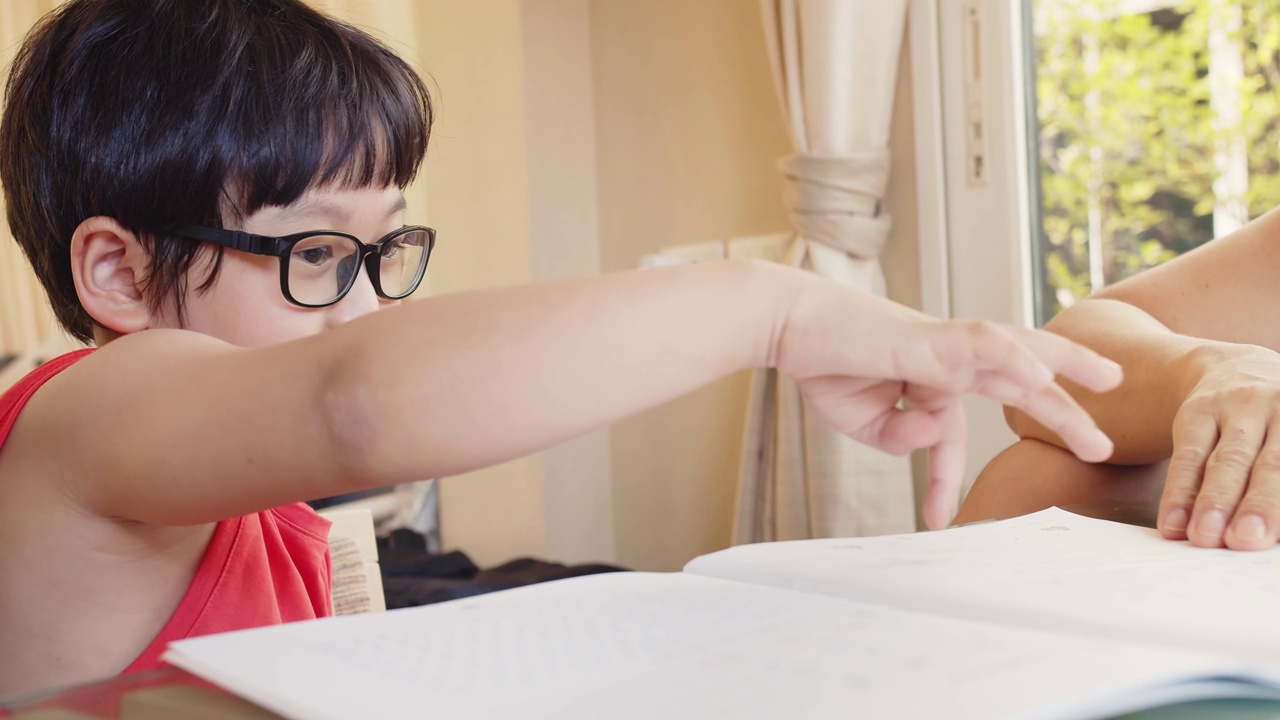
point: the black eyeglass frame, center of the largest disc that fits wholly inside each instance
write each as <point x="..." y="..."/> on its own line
<point x="282" y="248"/>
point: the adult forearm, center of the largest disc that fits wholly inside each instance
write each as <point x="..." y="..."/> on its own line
<point x="457" y="382"/>
<point x="1031" y="475"/>
<point x="1160" y="368"/>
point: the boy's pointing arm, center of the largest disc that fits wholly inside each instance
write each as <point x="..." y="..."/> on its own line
<point x="175" y="428"/>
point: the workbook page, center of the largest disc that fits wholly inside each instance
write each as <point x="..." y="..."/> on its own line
<point x="638" y="645"/>
<point x="1051" y="570"/>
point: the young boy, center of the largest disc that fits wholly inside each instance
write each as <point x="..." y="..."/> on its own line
<point x="210" y="192"/>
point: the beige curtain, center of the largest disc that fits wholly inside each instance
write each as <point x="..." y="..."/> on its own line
<point x="835" y="67"/>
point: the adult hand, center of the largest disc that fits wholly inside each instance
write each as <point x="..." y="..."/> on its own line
<point x="1223" y="486"/>
<point x="893" y="378"/>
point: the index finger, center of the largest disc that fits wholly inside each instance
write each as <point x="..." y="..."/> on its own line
<point x="946" y="463"/>
<point x="1060" y="413"/>
<point x="1072" y="360"/>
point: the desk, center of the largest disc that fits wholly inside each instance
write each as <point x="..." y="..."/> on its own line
<point x="201" y="701"/>
<point x="171" y="694"/>
<point x="163" y="694"/>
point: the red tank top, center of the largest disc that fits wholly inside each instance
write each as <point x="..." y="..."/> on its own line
<point x="268" y="568"/>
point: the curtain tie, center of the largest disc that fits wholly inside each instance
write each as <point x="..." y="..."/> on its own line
<point x="835" y="200"/>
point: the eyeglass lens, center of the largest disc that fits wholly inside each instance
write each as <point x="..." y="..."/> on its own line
<point x="323" y="267"/>
<point x="401" y="262"/>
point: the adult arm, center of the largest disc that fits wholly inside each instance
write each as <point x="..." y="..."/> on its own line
<point x="1197" y="338"/>
<point x="1032" y="475"/>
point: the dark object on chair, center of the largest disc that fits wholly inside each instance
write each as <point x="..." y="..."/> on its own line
<point x="412" y="576"/>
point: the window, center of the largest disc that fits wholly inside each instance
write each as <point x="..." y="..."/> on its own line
<point x="1063" y="145"/>
<point x="1154" y="128"/>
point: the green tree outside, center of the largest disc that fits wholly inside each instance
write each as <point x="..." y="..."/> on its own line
<point x="1127" y="135"/>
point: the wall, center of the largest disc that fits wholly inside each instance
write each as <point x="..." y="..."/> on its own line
<point x="576" y="136"/>
<point x="26" y="322"/>
<point x="688" y="129"/>
<point x="478" y="190"/>
<point x="559" y="97"/>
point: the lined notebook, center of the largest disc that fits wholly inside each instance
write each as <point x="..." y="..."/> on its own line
<point x="1051" y="615"/>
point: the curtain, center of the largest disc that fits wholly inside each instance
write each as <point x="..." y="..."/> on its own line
<point x="835" y="68"/>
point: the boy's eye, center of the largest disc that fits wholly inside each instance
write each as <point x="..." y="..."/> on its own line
<point x="391" y="249"/>
<point x="317" y="255"/>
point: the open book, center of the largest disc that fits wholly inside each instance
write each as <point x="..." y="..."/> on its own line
<point x="1051" y="615"/>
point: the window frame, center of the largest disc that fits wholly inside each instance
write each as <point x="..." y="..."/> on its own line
<point x="976" y="245"/>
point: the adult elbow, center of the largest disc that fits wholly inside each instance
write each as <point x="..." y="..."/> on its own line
<point x="1015" y="419"/>
<point x="1026" y="427"/>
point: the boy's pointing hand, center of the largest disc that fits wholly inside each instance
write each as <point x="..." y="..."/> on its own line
<point x="894" y="378"/>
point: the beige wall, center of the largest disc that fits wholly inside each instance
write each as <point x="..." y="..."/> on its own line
<point x="576" y="136"/>
<point x="477" y="186"/>
<point x="688" y="128"/>
<point x="26" y="322"/>
<point x="562" y="162"/>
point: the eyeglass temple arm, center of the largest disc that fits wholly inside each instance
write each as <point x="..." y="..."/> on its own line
<point x="234" y="239"/>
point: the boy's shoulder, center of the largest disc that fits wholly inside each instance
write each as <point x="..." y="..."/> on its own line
<point x="15" y="398"/>
<point x="60" y="420"/>
<point x="17" y="389"/>
<point x="47" y="392"/>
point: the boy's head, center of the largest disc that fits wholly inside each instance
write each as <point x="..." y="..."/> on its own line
<point x="159" y="114"/>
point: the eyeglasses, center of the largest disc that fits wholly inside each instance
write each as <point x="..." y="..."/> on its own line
<point x="318" y="268"/>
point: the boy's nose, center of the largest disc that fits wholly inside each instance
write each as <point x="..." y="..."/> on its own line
<point x="360" y="300"/>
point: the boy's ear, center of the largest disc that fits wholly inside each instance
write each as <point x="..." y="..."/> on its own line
<point x="109" y="266"/>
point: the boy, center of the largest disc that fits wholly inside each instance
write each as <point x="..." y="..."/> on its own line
<point x="210" y="192"/>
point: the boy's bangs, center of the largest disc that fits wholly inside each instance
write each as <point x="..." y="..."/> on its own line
<point x="362" y="125"/>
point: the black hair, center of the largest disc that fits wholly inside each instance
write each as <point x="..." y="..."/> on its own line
<point x="166" y="112"/>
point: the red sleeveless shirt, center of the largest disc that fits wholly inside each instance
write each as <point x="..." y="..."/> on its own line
<point x="268" y="568"/>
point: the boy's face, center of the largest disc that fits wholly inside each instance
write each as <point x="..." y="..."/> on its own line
<point x="245" y="306"/>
